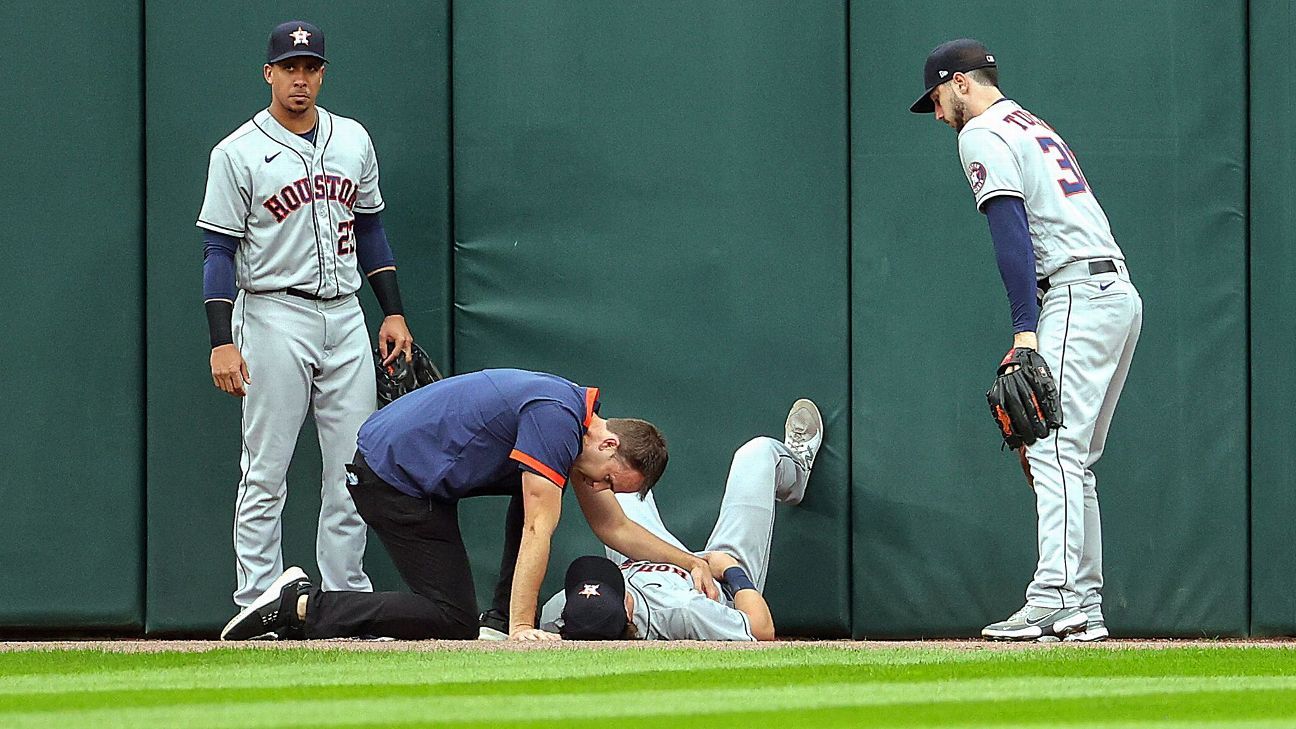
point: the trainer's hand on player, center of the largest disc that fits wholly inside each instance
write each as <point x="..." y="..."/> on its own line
<point x="393" y="338"/>
<point x="525" y="633"/>
<point x="704" y="581"/>
<point x="229" y="371"/>
<point x="719" y="562"/>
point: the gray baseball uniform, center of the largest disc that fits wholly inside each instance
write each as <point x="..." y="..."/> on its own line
<point x="666" y="605"/>
<point x="1089" y="324"/>
<point x="299" y="327"/>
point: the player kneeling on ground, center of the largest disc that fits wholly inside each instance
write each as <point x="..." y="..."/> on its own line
<point x="658" y="601"/>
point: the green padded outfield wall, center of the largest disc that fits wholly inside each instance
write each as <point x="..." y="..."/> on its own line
<point x="1273" y="321"/>
<point x="1152" y="98"/>
<point x="387" y="69"/>
<point x="72" y="419"/>
<point x="651" y="197"/>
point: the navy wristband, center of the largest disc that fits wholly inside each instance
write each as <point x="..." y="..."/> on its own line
<point x="387" y="292"/>
<point x="736" y="578"/>
<point x="220" y="319"/>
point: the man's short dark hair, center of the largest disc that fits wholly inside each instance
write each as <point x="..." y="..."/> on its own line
<point x="642" y="447"/>
<point x="985" y="76"/>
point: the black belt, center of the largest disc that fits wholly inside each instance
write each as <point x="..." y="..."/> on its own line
<point x="1095" y="268"/>
<point x="313" y="297"/>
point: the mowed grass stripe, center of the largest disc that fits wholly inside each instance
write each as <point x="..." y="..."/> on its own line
<point x="62" y="671"/>
<point x="1000" y="700"/>
<point x="343" y="674"/>
<point x="301" y="682"/>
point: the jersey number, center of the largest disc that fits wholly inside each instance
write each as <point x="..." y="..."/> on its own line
<point x="1072" y="181"/>
<point x="346" y="241"/>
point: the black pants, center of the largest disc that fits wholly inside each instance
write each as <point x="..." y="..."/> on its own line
<point x="422" y="536"/>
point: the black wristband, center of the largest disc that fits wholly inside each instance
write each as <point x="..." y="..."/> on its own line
<point x="736" y="578"/>
<point x="220" y="319"/>
<point x="387" y="292"/>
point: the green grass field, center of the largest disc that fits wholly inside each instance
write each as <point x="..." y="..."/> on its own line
<point x="812" y="686"/>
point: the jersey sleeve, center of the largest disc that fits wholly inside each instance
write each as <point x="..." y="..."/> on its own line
<point x="702" y="618"/>
<point x="551" y="613"/>
<point x="548" y="441"/>
<point x="369" y="197"/>
<point x="990" y="166"/>
<point x="226" y="202"/>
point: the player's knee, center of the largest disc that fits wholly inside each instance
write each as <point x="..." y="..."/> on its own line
<point x="757" y="447"/>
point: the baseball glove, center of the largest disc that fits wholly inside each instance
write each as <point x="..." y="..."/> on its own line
<point x="402" y="376"/>
<point x="1024" y="398"/>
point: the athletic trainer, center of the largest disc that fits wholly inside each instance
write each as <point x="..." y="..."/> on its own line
<point x="527" y="434"/>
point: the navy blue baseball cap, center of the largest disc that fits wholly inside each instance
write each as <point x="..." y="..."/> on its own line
<point x="947" y="59"/>
<point x="295" y="38"/>
<point x="595" y="608"/>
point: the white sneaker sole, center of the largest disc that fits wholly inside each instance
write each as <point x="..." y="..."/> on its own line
<point x="484" y="633"/>
<point x="292" y="574"/>
<point x="1088" y="636"/>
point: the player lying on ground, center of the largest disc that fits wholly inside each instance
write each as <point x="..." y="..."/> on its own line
<point x="658" y="601"/>
<point x="529" y="435"/>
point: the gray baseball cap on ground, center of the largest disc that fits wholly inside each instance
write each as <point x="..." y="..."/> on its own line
<point x="947" y="59"/>
<point x="295" y="38"/>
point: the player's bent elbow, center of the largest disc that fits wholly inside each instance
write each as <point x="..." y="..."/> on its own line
<point x="763" y="631"/>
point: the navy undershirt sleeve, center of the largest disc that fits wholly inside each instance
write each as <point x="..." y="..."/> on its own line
<point x="1016" y="258"/>
<point x="372" y="249"/>
<point x="218" y="265"/>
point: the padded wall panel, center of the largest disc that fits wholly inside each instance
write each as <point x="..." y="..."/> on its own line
<point x="1151" y="97"/>
<point x="1273" y="323"/>
<point x="650" y="197"/>
<point x="72" y="484"/>
<point x="388" y="69"/>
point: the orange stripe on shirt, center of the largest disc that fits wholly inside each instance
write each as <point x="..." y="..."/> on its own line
<point x="540" y="468"/>
<point x="591" y="396"/>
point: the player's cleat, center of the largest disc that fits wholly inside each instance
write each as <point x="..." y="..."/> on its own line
<point x="1033" y="623"/>
<point x="802" y="434"/>
<point x="493" y="626"/>
<point x="1095" y="631"/>
<point x="273" y="616"/>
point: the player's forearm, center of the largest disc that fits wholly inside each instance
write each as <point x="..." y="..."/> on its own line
<point x="1015" y="256"/>
<point x="752" y="604"/>
<point x="218" y="286"/>
<point x="533" y="558"/>
<point x="374" y="254"/>
<point x="749" y="601"/>
<point x="635" y="542"/>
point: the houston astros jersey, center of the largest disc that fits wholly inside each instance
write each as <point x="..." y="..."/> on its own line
<point x="293" y="202"/>
<point x="667" y="607"/>
<point x="1009" y="151"/>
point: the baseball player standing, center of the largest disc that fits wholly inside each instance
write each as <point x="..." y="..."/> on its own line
<point x="1051" y="237"/>
<point x="291" y="208"/>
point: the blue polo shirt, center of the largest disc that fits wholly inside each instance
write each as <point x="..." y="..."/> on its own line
<point x="474" y="434"/>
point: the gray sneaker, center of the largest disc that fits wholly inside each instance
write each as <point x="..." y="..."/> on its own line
<point x="803" y="431"/>
<point x="1033" y="623"/>
<point x="802" y="434"/>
